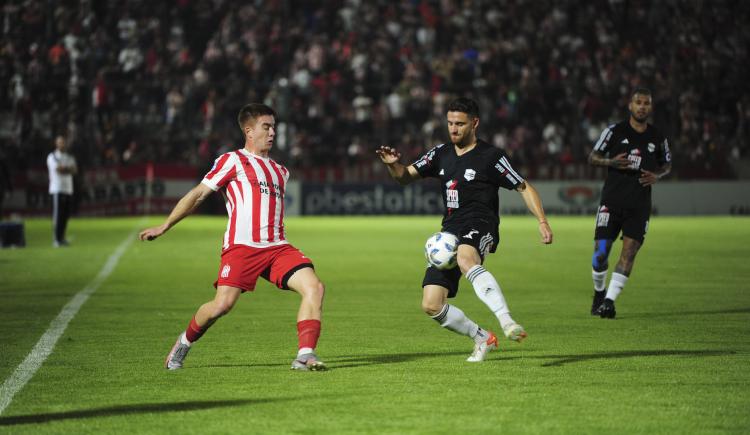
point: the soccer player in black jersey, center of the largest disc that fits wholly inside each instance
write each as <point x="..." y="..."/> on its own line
<point x="637" y="156"/>
<point x="471" y="172"/>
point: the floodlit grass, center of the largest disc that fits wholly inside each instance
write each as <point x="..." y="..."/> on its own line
<point x="676" y="360"/>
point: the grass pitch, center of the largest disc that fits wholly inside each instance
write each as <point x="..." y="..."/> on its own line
<point x="674" y="361"/>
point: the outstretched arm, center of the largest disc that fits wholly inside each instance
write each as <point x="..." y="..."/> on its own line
<point x="184" y="207"/>
<point x="399" y="172"/>
<point x="534" y="204"/>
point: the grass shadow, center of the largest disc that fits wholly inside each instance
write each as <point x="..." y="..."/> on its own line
<point x="139" y="408"/>
<point x="558" y="360"/>
<point x="690" y="313"/>
<point x="353" y="361"/>
<point x="568" y="359"/>
<point x="364" y="360"/>
<point x="342" y="362"/>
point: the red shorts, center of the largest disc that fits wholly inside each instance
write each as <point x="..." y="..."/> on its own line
<point x="242" y="265"/>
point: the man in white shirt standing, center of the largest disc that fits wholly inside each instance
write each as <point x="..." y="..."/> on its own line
<point x="62" y="166"/>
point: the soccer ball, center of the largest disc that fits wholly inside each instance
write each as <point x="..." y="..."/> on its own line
<point x="440" y="250"/>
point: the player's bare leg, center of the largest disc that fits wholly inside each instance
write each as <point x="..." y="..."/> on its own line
<point x="222" y="303"/>
<point x="206" y="315"/>
<point x="488" y="290"/>
<point x="630" y="249"/>
<point x="620" y="276"/>
<point x="308" y="285"/>
<point x="599" y="267"/>
<point x="434" y="298"/>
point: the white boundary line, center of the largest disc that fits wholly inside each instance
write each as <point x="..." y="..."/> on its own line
<point x="26" y="370"/>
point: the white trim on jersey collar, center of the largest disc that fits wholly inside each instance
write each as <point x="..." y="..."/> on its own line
<point x="251" y="154"/>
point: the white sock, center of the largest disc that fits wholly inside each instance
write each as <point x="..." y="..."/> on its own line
<point x="616" y="283"/>
<point x="304" y="350"/>
<point x="453" y="319"/>
<point x="184" y="340"/>
<point x="489" y="292"/>
<point x="600" y="279"/>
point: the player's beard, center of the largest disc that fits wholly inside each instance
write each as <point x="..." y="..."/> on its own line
<point x="461" y="141"/>
<point x="639" y="119"/>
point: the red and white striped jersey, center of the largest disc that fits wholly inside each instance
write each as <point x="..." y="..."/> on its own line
<point x="253" y="189"/>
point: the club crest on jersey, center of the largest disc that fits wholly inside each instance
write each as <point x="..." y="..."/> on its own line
<point x="470" y="174"/>
<point x="651" y="147"/>
<point x="625" y="140"/>
<point x="225" y="271"/>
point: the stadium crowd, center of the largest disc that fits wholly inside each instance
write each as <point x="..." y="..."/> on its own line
<point x="133" y="81"/>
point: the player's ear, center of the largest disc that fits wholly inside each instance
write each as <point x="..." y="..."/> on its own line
<point x="475" y="122"/>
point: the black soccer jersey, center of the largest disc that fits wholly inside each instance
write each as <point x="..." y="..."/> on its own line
<point x="648" y="150"/>
<point x="470" y="181"/>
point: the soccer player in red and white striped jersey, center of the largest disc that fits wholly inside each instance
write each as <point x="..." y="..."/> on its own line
<point x="255" y="244"/>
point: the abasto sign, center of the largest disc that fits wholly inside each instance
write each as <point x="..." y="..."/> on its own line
<point x="368" y="199"/>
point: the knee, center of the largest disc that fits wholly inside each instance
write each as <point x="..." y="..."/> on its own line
<point x="431" y="308"/>
<point x="319" y="290"/>
<point x="466" y="262"/>
<point x="314" y="291"/>
<point x="599" y="261"/>
<point x="222" y="307"/>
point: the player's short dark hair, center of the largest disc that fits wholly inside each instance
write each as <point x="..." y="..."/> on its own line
<point x="640" y="91"/>
<point x="464" y="105"/>
<point x="252" y="111"/>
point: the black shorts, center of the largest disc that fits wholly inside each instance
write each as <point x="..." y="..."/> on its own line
<point x="632" y="221"/>
<point x="481" y="235"/>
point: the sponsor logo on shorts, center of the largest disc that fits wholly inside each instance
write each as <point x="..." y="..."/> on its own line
<point x="471" y="234"/>
<point x="225" y="271"/>
<point x="602" y="217"/>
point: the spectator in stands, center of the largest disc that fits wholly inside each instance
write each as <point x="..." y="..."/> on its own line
<point x="382" y="68"/>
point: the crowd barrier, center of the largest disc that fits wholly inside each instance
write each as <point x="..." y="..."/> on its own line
<point x="155" y="189"/>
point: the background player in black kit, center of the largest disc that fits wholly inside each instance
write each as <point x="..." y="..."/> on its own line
<point x="641" y="157"/>
<point x="471" y="171"/>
